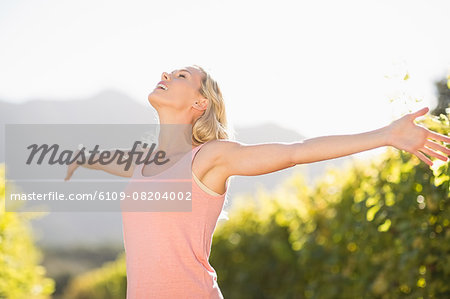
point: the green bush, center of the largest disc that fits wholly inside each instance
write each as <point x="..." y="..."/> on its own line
<point x="21" y="276"/>
<point x="106" y="282"/>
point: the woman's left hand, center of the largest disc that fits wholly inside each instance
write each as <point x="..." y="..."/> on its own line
<point x="404" y="134"/>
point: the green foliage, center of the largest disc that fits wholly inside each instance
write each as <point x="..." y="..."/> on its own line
<point x="108" y="282"/>
<point x="21" y="276"/>
<point x="65" y="262"/>
<point x="443" y="98"/>
<point x="377" y="230"/>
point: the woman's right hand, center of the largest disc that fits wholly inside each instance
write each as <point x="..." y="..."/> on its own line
<point x="72" y="167"/>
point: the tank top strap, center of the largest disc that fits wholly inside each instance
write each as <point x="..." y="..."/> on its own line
<point x="138" y="170"/>
<point x="196" y="149"/>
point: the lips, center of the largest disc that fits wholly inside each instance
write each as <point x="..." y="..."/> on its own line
<point x="162" y="85"/>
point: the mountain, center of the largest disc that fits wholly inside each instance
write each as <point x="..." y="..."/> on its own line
<point x="113" y="107"/>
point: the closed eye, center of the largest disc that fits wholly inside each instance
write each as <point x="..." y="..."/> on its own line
<point x="181" y="75"/>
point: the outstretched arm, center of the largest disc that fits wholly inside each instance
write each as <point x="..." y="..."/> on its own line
<point x="113" y="168"/>
<point x="402" y="134"/>
<point x="335" y="146"/>
<point x="234" y="158"/>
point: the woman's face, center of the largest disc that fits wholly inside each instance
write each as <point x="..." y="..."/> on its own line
<point x="180" y="89"/>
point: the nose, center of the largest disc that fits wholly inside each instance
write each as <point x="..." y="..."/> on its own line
<point x="165" y="76"/>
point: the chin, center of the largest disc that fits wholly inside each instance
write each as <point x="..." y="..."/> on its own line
<point x="156" y="100"/>
<point x="153" y="98"/>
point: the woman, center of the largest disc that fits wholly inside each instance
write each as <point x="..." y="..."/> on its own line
<point x="167" y="253"/>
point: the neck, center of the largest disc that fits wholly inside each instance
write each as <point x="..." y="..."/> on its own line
<point x="175" y="132"/>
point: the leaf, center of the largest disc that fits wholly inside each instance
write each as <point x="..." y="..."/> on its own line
<point x="371" y="212"/>
<point x="385" y="226"/>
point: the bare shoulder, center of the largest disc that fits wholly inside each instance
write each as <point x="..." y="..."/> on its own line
<point x="221" y="146"/>
<point x="209" y="160"/>
<point x="215" y="151"/>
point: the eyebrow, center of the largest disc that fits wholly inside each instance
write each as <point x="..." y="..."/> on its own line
<point x="185" y="71"/>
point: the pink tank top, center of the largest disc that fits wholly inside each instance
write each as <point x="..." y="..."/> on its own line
<point x="167" y="253"/>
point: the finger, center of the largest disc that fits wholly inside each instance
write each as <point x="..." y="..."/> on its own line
<point x="69" y="174"/>
<point x="436" y="146"/>
<point x="420" y="112"/>
<point x="67" y="177"/>
<point x="438" y="136"/>
<point x="433" y="154"/>
<point x="423" y="158"/>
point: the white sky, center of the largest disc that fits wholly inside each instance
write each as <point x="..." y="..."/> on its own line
<point x="317" y="67"/>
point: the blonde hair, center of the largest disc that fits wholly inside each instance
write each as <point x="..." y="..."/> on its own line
<point x="212" y="124"/>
